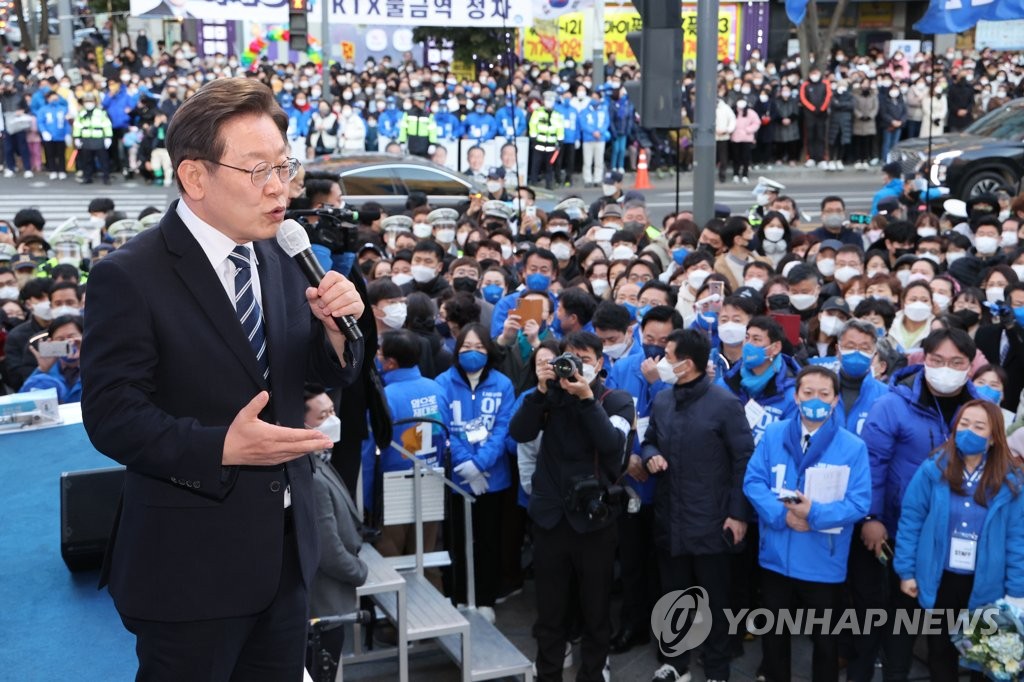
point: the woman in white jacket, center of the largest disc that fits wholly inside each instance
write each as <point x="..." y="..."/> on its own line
<point x="933" y="112"/>
<point x="323" y="131"/>
<point x="352" y="130"/>
<point x="725" y="124"/>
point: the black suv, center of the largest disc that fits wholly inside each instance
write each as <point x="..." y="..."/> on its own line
<point x="988" y="155"/>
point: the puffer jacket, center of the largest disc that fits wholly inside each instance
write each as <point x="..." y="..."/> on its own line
<point x="747" y="125"/>
<point x="840" y="123"/>
<point x="891" y="110"/>
<point x="725" y="121"/>
<point x="776" y="399"/>
<point x="786" y="109"/>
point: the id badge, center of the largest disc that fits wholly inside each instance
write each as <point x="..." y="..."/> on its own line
<point x="963" y="552"/>
<point x="476" y="431"/>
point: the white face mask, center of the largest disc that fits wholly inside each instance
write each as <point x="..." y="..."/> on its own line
<point x="667" y="371"/>
<point x="394" y="315"/>
<point x="927" y="232"/>
<point x="985" y="245"/>
<point x="616" y="350"/>
<point x="953" y="256"/>
<point x="845" y="273"/>
<point x="446" y="235"/>
<point x="941" y="301"/>
<point x="506" y="251"/>
<point x="696" y="278"/>
<point x="904" y="277"/>
<point x="873" y="235"/>
<point x="589" y="373"/>
<point x="872" y="273"/>
<point x="401" y="278"/>
<point x="1019" y="269"/>
<point x="607" y="190"/>
<point x="422" y="230"/>
<point x="803" y="301"/>
<point x="62" y="310"/>
<point x="994" y="295"/>
<point x="1009" y="240"/>
<point x="754" y="283"/>
<point x="854" y="300"/>
<point x="331" y="427"/>
<point x="10" y="292"/>
<point x="622" y="253"/>
<point x="762" y="199"/>
<point x="732" y="333"/>
<point x="774" y="234"/>
<point x="830" y="325"/>
<point x="493" y="186"/>
<point x="423" y="273"/>
<point x="945" y="380"/>
<point x="918" y="311"/>
<point x="42" y="311"/>
<point x="561" y="251"/>
<point x="826" y="266"/>
<point x="600" y="286"/>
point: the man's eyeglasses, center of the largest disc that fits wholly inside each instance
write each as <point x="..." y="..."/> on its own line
<point x="262" y="171"/>
<point x="935" y="361"/>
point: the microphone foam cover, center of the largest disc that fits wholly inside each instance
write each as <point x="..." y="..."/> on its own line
<point x="292" y="238"/>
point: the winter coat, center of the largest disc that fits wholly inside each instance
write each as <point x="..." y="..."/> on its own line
<point x="786" y="109"/>
<point x="871" y="389"/>
<point x="902" y="429"/>
<point x="915" y="98"/>
<point x="961" y="97"/>
<point x="488" y="405"/>
<point x="840" y="123"/>
<point x="865" y="112"/>
<point x="747" y="124"/>
<point x="595" y="119"/>
<point x="891" y="110"/>
<point x="815" y="98"/>
<point x="410" y="395"/>
<point x="323" y="133"/>
<point x="725" y="121"/>
<point x="623" y="116"/>
<point x="511" y="121"/>
<point x="53" y="121"/>
<point x="815" y="555"/>
<point x="353" y="132"/>
<point x="118" y="106"/>
<point x="776" y="399"/>
<point x="766" y="133"/>
<point x="922" y="542"/>
<point x="702" y="433"/>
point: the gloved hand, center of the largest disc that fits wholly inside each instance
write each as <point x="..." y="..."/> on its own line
<point x="1015" y="601"/>
<point x="106" y="142"/>
<point x="578" y="144"/>
<point x="47" y="137"/>
<point x="67" y="140"/>
<point x="78" y="144"/>
<point x="471" y="476"/>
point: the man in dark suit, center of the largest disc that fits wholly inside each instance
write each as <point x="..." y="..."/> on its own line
<point x="204" y="333"/>
<point x="1003" y="345"/>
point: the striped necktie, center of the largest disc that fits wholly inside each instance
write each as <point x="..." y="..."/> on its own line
<point x="248" y="309"/>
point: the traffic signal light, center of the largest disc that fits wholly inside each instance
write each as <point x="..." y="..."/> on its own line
<point x="658" y="48"/>
<point x="298" y="25"/>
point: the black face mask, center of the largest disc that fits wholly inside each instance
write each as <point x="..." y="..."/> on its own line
<point x="12" y="322"/>
<point x="778" y="302"/>
<point x="467" y="284"/>
<point x="969" y="317"/>
<point x="904" y="252"/>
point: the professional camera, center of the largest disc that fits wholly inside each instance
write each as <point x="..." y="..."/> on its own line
<point x="336" y="227"/>
<point x="566" y="365"/>
<point x="588" y="496"/>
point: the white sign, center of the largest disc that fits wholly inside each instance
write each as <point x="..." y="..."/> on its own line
<point x="999" y="35"/>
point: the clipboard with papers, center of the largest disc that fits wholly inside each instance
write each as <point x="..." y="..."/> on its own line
<point x="826" y="483"/>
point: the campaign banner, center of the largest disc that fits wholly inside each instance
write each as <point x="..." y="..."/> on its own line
<point x="956" y="16"/>
<point x="471" y="13"/>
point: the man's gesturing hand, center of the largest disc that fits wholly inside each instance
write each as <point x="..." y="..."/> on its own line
<point x="257" y="443"/>
<point x="336" y="296"/>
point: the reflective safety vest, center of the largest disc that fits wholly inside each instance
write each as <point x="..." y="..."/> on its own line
<point x="92" y="125"/>
<point x="547" y="128"/>
<point x="418" y="132"/>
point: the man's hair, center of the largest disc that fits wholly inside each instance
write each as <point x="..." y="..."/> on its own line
<point x="658" y="285"/>
<point x="692" y="344"/>
<point x="63" y="320"/>
<point x="901" y="231"/>
<point x="463" y="308"/>
<point x="696" y="257"/>
<point x="769" y="326"/>
<point x="819" y="371"/>
<point x="65" y="285"/>
<point x="65" y="271"/>
<point x="801" y="273"/>
<point x="829" y="199"/>
<point x="576" y="301"/>
<point x="734" y="227"/>
<point x="382" y="289"/>
<point x="29" y="215"/>
<point x="851" y="248"/>
<point x="875" y="306"/>
<point x="959" y="338"/>
<point x="431" y="247"/>
<point x="402" y="346"/>
<point x="319" y="184"/>
<point x="465" y="262"/>
<point x="35" y="288"/>
<point x="663" y="313"/>
<point x="583" y="341"/>
<point x="612" y="316"/>
<point x="196" y="135"/>
<point x="862" y="326"/>
<point x="751" y="305"/>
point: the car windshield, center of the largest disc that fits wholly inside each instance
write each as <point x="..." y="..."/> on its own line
<point x="1004" y="123"/>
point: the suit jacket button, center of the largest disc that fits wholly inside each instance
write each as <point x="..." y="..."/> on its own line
<point x="196" y="485"/>
<point x="275" y="486"/>
<point x="173" y="479"/>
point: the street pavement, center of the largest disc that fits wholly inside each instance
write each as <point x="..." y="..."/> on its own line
<point x="59" y="200"/>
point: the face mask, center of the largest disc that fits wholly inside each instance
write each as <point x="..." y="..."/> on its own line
<point x="561" y="251"/>
<point x="855" y="363"/>
<point x="904" y="277"/>
<point x="472" y="361"/>
<point x="589" y="373"/>
<point x="394" y="315"/>
<point x="754" y="283"/>
<point x="932" y="257"/>
<point x="954" y="256"/>
<point x="608" y="190"/>
<point x="42" y="311"/>
<point x="969" y="443"/>
<point x="506" y="251"/>
<point x="89" y="106"/>
<point x="493" y="293"/>
<point x="754" y="356"/>
<point x="945" y="380"/>
<point x="446" y="235"/>
<point x="927" y="231"/>
<point x="423" y="273"/>
<point x="732" y="333"/>
<point x="826" y="266"/>
<point x="994" y="294"/>
<point x="778" y="301"/>
<point x="988" y="393"/>
<point x="622" y="253"/>
<point x="401" y="278"/>
<point x="9" y="292"/>
<point x="942" y="301"/>
<point x="696" y="278"/>
<point x="600" y="286"/>
<point x="833" y="221"/>
<point x="63" y="310"/>
<point x="616" y="350"/>
<point x="466" y="284"/>
<point x="830" y="325"/>
<point x="918" y="311"/>
<point x="1019" y="269"/>
<point x="843" y="274"/>
<point x="803" y="301"/>
<point x="815" y="410"/>
<point x="1009" y="240"/>
<point x="538" y="282"/>
<point x="854" y="300"/>
<point x="774" y="234"/>
<point x="667" y="371"/>
<point x="422" y="230"/>
<point x="680" y="254"/>
<point x="331" y="427"/>
<point x="873" y="235"/>
<point x="986" y="245"/>
<point x="653" y="351"/>
<point x="493" y="186"/>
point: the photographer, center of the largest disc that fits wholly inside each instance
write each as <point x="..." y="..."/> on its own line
<point x="581" y="454"/>
<point x="59" y="372"/>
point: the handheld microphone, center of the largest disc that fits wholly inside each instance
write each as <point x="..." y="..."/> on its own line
<point x="293" y="239"/>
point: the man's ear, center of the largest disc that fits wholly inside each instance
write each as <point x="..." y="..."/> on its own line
<point x="194" y="176"/>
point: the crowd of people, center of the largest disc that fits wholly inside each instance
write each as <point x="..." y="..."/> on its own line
<point x="114" y="111"/>
<point x="618" y="388"/>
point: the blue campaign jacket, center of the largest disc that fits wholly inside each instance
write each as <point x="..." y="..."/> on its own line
<point x="410" y="395"/>
<point x="595" y="118"/>
<point x="448" y="124"/>
<point x="511" y="121"/>
<point x="776" y="399"/>
<point x="813" y="555"/>
<point x="626" y="375"/>
<point x="571" y="119"/>
<point x="53" y="121"/>
<point x="298" y="123"/>
<point x="900" y="433"/>
<point x="117" y="106"/>
<point x="389" y="123"/>
<point x="922" y="543"/>
<point x="491" y="402"/>
<point x="41" y="381"/>
<point x="893" y="188"/>
<point x="870" y="391"/>
<point x="479" y="127"/>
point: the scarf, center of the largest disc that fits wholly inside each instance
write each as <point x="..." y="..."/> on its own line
<point x="754" y="384"/>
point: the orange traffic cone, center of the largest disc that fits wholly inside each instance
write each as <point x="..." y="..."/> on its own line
<point x="642" y="181"/>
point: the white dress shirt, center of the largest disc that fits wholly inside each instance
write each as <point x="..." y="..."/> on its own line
<point x="218" y="246"/>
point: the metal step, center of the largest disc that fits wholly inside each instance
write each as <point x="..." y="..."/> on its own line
<point x="430" y="560"/>
<point x="492" y="656"/>
<point x="428" y="613"/>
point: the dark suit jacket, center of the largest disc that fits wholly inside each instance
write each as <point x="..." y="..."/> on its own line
<point x="166" y="368"/>
<point x="988" y="338"/>
<point x="341" y="570"/>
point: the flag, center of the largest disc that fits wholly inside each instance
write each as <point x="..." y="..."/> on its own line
<point x="548" y="9"/>
<point x="956" y="16"/>
<point x="796" y="10"/>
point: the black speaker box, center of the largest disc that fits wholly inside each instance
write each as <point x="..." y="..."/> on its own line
<point x="88" y="503"/>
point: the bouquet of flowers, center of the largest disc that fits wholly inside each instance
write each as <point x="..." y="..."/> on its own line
<point x="997" y="653"/>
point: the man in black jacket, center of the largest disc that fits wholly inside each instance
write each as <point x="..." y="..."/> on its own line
<point x="1003" y="345"/>
<point x="585" y="430"/>
<point x="697" y="444"/>
<point x="961" y="104"/>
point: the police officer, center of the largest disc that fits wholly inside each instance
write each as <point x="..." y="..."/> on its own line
<point x="547" y="130"/>
<point x="418" y="131"/>
<point x="93" y="136"/>
<point x="765" y="192"/>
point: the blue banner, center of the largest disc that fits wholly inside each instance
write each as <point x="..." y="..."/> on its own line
<point x="796" y="10"/>
<point x="956" y="16"/>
